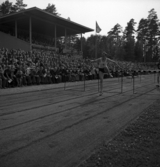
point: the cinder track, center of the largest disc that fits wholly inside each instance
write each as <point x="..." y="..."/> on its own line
<point x="50" y="96"/>
<point x="28" y="127"/>
<point x="62" y="111"/>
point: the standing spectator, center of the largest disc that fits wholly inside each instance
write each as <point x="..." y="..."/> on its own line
<point x="0" y="77"/>
<point x="18" y="75"/>
<point x="7" y="74"/>
<point x="49" y="77"/>
<point x="3" y="78"/>
<point x="33" y="76"/>
<point x="52" y="72"/>
<point x="28" y="78"/>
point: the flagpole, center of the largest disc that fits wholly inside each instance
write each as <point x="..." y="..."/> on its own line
<point x="96" y="52"/>
<point x="96" y="46"/>
<point x="98" y="29"/>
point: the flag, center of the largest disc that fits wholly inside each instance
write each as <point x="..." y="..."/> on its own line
<point x="98" y="29"/>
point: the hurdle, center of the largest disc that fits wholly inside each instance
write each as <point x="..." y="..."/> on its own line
<point x="122" y="81"/>
<point x="133" y="82"/>
<point x="64" y="82"/>
<point x="84" y="81"/>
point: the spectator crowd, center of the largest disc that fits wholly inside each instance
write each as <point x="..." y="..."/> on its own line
<point x="19" y="68"/>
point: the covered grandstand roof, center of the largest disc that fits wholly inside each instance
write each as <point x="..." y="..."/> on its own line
<point x="43" y="23"/>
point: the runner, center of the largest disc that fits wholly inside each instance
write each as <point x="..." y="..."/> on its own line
<point x="103" y="68"/>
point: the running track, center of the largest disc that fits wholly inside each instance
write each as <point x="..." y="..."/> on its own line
<point x="47" y="126"/>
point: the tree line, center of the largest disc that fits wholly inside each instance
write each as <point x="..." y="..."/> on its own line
<point x="136" y="45"/>
<point x="130" y="44"/>
<point x="8" y="7"/>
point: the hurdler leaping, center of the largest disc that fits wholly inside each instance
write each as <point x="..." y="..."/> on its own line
<point x="103" y="68"/>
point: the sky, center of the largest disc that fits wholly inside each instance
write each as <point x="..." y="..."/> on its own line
<point x="107" y="13"/>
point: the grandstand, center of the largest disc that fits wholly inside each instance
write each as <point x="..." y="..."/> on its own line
<point x="36" y="28"/>
<point x="28" y="48"/>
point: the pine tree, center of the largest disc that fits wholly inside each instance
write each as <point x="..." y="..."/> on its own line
<point x="115" y="40"/>
<point x="152" y="33"/>
<point x="139" y="51"/>
<point x="19" y="6"/>
<point x="129" y="43"/>
<point x="52" y="9"/>
<point x="148" y="33"/>
<point x="141" y="44"/>
<point x="6" y="7"/>
<point x="91" y="43"/>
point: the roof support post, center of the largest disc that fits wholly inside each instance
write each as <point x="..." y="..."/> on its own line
<point x="16" y="28"/>
<point x="55" y="37"/>
<point x="81" y="43"/>
<point x="30" y="33"/>
<point x="65" y="38"/>
<point x="81" y="46"/>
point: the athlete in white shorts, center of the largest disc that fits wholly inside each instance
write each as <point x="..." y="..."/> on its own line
<point x="103" y="68"/>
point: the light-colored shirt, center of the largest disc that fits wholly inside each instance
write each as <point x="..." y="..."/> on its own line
<point x="102" y="63"/>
